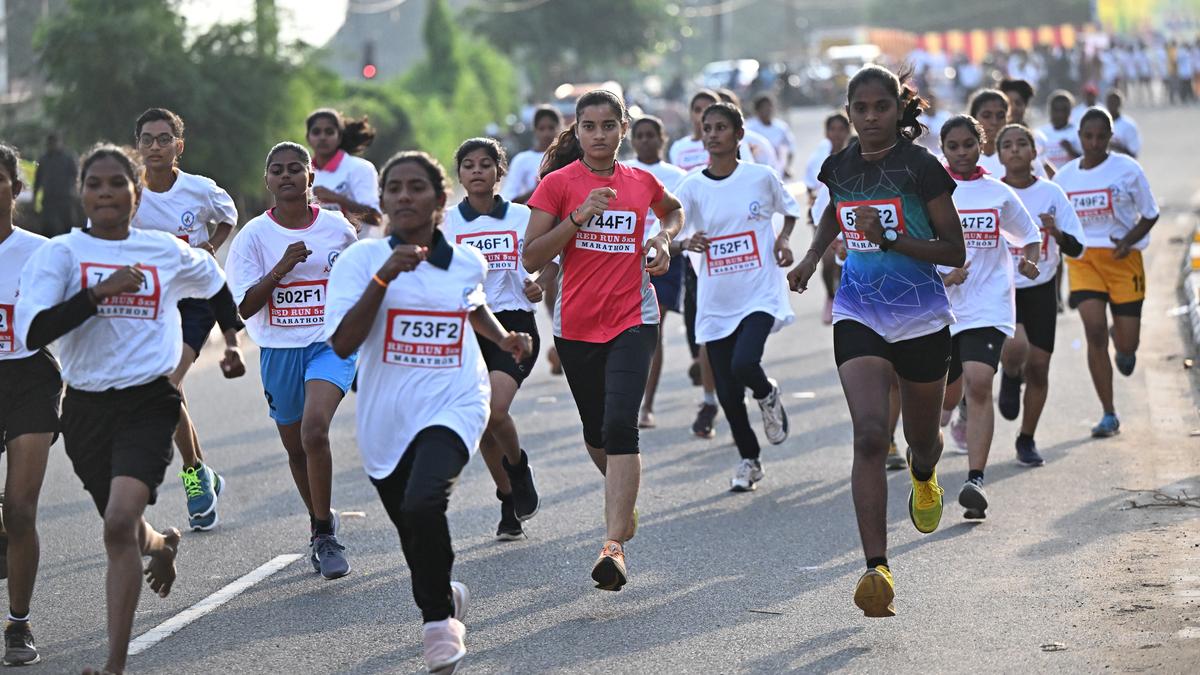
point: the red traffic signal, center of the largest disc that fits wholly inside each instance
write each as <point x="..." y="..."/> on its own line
<point x="369" y="71"/>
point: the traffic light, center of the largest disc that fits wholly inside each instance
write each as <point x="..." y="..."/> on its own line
<point x="369" y="71"/>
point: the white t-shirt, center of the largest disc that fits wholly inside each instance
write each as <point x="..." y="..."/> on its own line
<point x="15" y="251"/>
<point x="1108" y="198"/>
<point x="1046" y="197"/>
<point x="813" y="168"/>
<point x="133" y="338"/>
<point x="187" y="209"/>
<point x="500" y="237"/>
<point x="738" y="274"/>
<point x="420" y="364"/>
<point x="991" y="163"/>
<point x="522" y="174"/>
<point x="758" y="149"/>
<point x="667" y="174"/>
<point x="295" y="314"/>
<point x="1125" y="131"/>
<point x="1053" y="151"/>
<point x="779" y="134"/>
<point x="352" y="177"/>
<point x="993" y="219"/>
<point x="690" y="154"/>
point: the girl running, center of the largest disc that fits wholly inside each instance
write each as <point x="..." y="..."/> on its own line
<point x="689" y="153"/>
<point x="343" y="182"/>
<point x="109" y="295"/>
<point x="591" y="210"/>
<point x="891" y="199"/>
<point x="649" y="138"/>
<point x="837" y="135"/>
<point x="30" y="388"/>
<point x="184" y="205"/>
<point x="522" y="175"/>
<point x="981" y="293"/>
<point x="1062" y="138"/>
<point x="278" y="270"/>
<point x="741" y="296"/>
<point x="990" y="108"/>
<point x="1112" y="198"/>
<point x="496" y="228"/>
<point x="414" y="304"/>
<point x="1026" y="354"/>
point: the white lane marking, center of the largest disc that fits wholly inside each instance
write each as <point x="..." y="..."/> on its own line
<point x="172" y="625"/>
<point x="547" y="399"/>
<point x="804" y="394"/>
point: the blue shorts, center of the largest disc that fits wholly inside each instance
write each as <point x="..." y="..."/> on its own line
<point x="285" y="370"/>
<point x="669" y="287"/>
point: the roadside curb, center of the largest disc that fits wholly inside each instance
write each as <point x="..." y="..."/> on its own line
<point x="1191" y="285"/>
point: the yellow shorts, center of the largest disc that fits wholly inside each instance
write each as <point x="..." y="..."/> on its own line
<point x="1098" y="274"/>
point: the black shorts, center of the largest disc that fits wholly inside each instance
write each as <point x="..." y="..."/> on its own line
<point x="920" y="359"/>
<point x="518" y="321"/>
<point x="121" y="432"/>
<point x="198" y="320"/>
<point x="30" y="395"/>
<point x="1131" y="309"/>
<point x="981" y="345"/>
<point x="669" y="287"/>
<point x="1037" y="311"/>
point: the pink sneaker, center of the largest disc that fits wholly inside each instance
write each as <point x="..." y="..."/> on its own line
<point x="444" y="648"/>
<point x="827" y="313"/>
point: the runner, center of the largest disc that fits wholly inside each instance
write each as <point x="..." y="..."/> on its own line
<point x="185" y="205"/>
<point x="109" y="296"/>
<point x="837" y="135"/>
<point x="981" y="293"/>
<point x="1026" y="355"/>
<point x="754" y="147"/>
<point x="522" y="176"/>
<point x="406" y="302"/>
<point x="278" y="269"/>
<point x="1062" y="138"/>
<point x="496" y="228"/>
<point x="343" y="182"/>
<point x="775" y="130"/>
<point x="741" y="297"/>
<point x="1112" y="198"/>
<point x="649" y="138"/>
<point x="30" y="388"/>
<point x="688" y="153"/>
<point x="990" y="108"/>
<point x="592" y="210"/>
<point x="1020" y="94"/>
<point x="884" y="179"/>
<point x="1126" y="137"/>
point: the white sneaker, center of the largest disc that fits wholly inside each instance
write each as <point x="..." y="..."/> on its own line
<point x="775" y="420"/>
<point x="444" y="647"/>
<point x="746" y="476"/>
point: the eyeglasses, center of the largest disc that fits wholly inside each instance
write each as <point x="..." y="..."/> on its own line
<point x="164" y="140"/>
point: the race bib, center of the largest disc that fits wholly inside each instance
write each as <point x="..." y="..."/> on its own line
<point x="8" y="343"/>
<point x="141" y="304"/>
<point x="424" y="339"/>
<point x="693" y="158"/>
<point x="609" y="232"/>
<point x="1092" y="203"/>
<point x="300" y="303"/>
<point x="891" y="216"/>
<point x="498" y="248"/>
<point x="981" y="227"/>
<point x="732" y="253"/>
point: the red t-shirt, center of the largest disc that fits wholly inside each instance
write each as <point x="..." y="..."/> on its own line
<point x="603" y="285"/>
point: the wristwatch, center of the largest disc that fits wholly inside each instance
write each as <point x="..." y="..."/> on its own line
<point x="889" y="238"/>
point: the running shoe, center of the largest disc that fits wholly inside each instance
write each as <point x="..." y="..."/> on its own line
<point x="312" y="537"/>
<point x="647" y="421"/>
<point x="972" y="498"/>
<point x="609" y="571"/>
<point x="1009" y="400"/>
<point x="202" y="486"/>
<point x="775" y="419"/>
<point x="958" y="431"/>
<point x="1027" y="453"/>
<point x="203" y="523"/>
<point x="510" y="528"/>
<point x="1125" y="362"/>
<point x="827" y="313"/>
<point x="924" y="501"/>
<point x="1109" y="426"/>
<point x="461" y="597"/>
<point x="330" y="557"/>
<point x="703" y="426"/>
<point x="746" y="476"/>
<point x="875" y="592"/>
<point x="444" y="647"/>
<point x="895" y="461"/>
<point x="526" y="501"/>
<point x="694" y="374"/>
<point x="19" y="649"/>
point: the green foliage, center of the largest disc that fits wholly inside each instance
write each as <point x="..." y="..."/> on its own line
<point x="938" y="15"/>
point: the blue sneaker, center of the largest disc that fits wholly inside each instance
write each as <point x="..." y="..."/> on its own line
<point x="202" y="487"/>
<point x="1125" y="362"/>
<point x="1027" y="453"/>
<point x="1109" y="426"/>
<point x="203" y="523"/>
<point x="313" y="558"/>
<point x="331" y="559"/>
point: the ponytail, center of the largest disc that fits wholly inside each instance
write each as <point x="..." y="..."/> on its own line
<point x="564" y="150"/>
<point x="909" y="103"/>
<point x="354" y="135"/>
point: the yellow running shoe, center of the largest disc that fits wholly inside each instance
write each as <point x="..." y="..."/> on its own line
<point x="875" y="592"/>
<point x="924" y="501"/>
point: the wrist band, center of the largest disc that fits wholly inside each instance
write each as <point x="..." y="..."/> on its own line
<point x="381" y="282"/>
<point x="571" y="217"/>
<point x="276" y="276"/>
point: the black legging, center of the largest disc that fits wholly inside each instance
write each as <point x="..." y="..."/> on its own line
<point x="415" y="496"/>
<point x="736" y="362"/>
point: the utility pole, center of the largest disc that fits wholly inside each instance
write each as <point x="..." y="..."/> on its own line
<point x="266" y="27"/>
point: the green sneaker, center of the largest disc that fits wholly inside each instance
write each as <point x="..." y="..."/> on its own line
<point x="924" y="501"/>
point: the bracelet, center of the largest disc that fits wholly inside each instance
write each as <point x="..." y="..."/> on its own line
<point x="381" y="282"/>
<point x="276" y="276"/>
<point x="571" y="217"/>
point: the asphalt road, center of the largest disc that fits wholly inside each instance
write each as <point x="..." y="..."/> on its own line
<point x="757" y="582"/>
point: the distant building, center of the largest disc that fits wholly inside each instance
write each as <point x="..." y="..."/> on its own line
<point x="390" y="39"/>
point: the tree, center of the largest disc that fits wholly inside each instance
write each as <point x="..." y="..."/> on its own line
<point x="938" y="15"/>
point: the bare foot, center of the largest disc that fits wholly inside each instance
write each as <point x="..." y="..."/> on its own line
<point x="160" y="572"/>
<point x="647" y="420"/>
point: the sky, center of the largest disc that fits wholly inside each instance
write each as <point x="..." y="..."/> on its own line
<point x="313" y="21"/>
